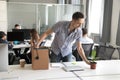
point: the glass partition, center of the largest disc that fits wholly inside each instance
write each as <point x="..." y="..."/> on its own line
<point x="39" y="16"/>
<point x="20" y="13"/>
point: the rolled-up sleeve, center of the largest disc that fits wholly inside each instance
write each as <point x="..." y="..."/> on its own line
<point x="56" y="27"/>
<point x="79" y="36"/>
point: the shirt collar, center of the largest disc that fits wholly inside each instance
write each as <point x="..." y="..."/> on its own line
<point x="75" y="29"/>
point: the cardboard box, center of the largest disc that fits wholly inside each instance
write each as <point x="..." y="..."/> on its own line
<point x="40" y="58"/>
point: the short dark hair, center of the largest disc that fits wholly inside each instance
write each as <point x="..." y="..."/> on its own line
<point x="2" y="34"/>
<point x="77" y="15"/>
<point x="84" y="31"/>
<point x="16" y="25"/>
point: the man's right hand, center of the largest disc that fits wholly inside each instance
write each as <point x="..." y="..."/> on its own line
<point x="37" y="46"/>
<point x="88" y="62"/>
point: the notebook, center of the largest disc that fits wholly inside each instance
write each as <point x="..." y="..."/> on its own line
<point x="71" y="66"/>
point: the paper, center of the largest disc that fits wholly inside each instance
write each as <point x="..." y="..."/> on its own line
<point x="55" y="65"/>
<point x="10" y="78"/>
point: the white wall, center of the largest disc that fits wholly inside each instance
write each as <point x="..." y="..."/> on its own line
<point x="84" y="3"/>
<point x="34" y="1"/>
<point x="23" y="14"/>
<point x="3" y="16"/>
<point x="114" y="24"/>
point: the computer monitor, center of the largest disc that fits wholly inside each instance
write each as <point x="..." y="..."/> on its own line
<point x="25" y="31"/>
<point x="15" y="36"/>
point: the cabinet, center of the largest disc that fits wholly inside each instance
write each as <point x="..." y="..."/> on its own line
<point x="3" y="57"/>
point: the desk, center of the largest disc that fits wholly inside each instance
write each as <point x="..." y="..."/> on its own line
<point x="21" y="46"/>
<point x="106" y="70"/>
<point x="96" y="44"/>
<point x="28" y="74"/>
<point x="106" y="77"/>
<point x="107" y="67"/>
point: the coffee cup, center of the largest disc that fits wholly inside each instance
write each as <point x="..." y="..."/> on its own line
<point x="22" y="63"/>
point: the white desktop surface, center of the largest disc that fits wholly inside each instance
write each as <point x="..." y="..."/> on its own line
<point x="106" y="77"/>
<point x="21" y="46"/>
<point x="28" y="74"/>
<point x="71" y="78"/>
<point x="106" y="67"/>
<point x="106" y="70"/>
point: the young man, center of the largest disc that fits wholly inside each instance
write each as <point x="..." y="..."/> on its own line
<point x="85" y="39"/>
<point x="65" y="33"/>
<point x="3" y="39"/>
<point x="18" y="50"/>
<point x="17" y="26"/>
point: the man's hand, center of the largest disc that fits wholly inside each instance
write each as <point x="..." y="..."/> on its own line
<point x="81" y="53"/>
<point x="37" y="46"/>
<point x="88" y="62"/>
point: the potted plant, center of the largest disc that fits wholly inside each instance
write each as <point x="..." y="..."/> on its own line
<point x="93" y="63"/>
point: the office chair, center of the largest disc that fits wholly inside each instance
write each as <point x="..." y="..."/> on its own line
<point x="119" y="51"/>
<point x="87" y="49"/>
<point x="104" y="52"/>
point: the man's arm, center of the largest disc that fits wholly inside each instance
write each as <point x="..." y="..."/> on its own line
<point x="44" y="35"/>
<point x="81" y="52"/>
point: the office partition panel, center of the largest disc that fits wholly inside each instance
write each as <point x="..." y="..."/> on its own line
<point x="118" y="32"/>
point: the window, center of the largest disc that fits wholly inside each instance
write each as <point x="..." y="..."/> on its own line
<point x="95" y="16"/>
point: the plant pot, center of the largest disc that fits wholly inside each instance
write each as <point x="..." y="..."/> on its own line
<point x="93" y="65"/>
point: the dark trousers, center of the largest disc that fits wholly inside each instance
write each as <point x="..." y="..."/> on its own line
<point x="77" y="56"/>
<point x="17" y="52"/>
<point x="59" y="57"/>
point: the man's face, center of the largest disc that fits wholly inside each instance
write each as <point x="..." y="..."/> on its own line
<point x="4" y="37"/>
<point x="77" y="23"/>
<point x="17" y="27"/>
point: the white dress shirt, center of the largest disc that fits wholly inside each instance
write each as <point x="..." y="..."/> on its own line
<point x="86" y="40"/>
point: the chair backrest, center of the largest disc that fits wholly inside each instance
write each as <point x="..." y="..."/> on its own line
<point x="87" y="49"/>
<point x="119" y="52"/>
<point x="104" y="52"/>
